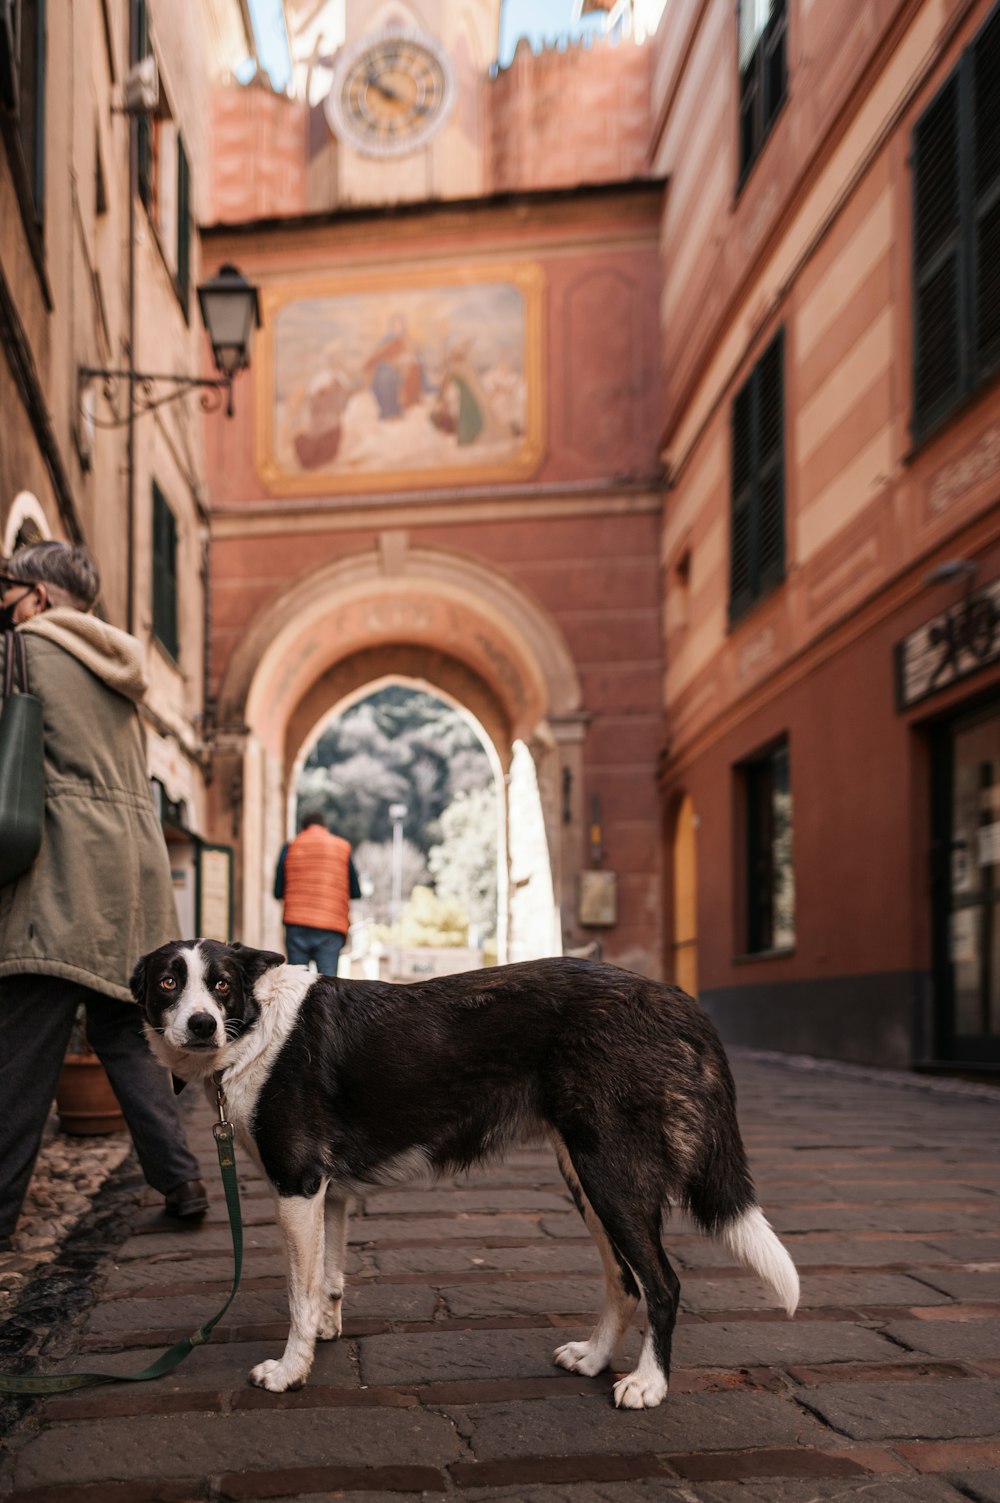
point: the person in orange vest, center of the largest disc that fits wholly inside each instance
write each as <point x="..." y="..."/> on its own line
<point x="317" y="880"/>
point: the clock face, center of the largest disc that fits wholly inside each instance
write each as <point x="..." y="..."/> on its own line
<point x="390" y="93"/>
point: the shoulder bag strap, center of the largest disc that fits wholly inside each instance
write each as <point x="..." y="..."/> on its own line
<point x="10" y="637"/>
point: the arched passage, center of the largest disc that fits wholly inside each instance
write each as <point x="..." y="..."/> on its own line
<point x="685" y="898"/>
<point x="487" y="741"/>
<point x="431" y="617"/>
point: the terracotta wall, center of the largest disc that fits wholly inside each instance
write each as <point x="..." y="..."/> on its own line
<point x="566" y="116"/>
<point x="258" y="155"/>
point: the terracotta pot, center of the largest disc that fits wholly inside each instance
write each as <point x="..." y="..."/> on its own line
<point x="84" y="1098"/>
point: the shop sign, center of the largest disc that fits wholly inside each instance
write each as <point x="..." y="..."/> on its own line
<point x="949" y="647"/>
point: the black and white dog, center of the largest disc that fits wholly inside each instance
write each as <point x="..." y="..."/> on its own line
<point x="336" y="1086"/>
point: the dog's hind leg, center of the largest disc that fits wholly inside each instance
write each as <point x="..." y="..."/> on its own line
<point x="301" y="1222"/>
<point x="621" y="1293"/>
<point x="631" y="1222"/>
<point x="334" y="1258"/>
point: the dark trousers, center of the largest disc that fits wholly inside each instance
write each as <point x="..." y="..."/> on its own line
<point x="36" y="1019"/>
<point x="304" y="943"/>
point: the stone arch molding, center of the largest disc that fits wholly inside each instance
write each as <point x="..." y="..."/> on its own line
<point x="419" y="596"/>
<point x="458" y="609"/>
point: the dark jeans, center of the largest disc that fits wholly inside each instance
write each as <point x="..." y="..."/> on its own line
<point x="36" y="1019"/>
<point x="322" y="945"/>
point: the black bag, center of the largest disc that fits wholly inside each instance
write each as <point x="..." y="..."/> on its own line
<point x="22" y="770"/>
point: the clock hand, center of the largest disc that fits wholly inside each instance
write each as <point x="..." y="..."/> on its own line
<point x="373" y="81"/>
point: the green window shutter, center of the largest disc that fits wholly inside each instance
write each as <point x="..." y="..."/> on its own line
<point x="985" y="82"/>
<point x="139" y="47"/>
<point x="741" y="566"/>
<point x="770" y="467"/>
<point x="937" y="266"/>
<point x="164" y="575"/>
<point x="183" y="222"/>
<point x="757" y="523"/>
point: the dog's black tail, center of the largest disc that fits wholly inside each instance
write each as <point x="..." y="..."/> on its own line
<point x="721" y="1198"/>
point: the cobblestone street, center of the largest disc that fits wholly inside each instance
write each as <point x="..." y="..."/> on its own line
<point x="886" y="1386"/>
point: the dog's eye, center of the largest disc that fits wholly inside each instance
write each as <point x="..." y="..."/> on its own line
<point x="222" y="985"/>
<point x="168" y="984"/>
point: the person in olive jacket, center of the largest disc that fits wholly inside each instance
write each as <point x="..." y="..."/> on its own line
<point x="98" y="895"/>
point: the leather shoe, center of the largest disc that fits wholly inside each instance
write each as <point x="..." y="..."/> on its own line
<point x="188" y="1199"/>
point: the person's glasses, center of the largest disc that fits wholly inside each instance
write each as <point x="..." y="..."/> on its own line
<point x="8" y="582"/>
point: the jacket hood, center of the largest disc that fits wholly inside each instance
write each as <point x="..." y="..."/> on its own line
<point x="111" y="654"/>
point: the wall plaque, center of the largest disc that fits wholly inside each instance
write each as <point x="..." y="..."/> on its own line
<point x="598" y="905"/>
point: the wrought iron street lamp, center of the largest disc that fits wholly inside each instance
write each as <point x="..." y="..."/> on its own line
<point x="230" y="310"/>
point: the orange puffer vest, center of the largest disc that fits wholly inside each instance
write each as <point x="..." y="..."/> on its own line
<point x="317" y="886"/>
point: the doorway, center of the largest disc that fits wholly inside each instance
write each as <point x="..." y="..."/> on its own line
<point x="685" y="926"/>
<point x="966" y="915"/>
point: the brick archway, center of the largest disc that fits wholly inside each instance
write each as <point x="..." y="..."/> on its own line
<point x="422" y="615"/>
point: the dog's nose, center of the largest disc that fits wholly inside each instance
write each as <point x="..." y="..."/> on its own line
<point x="201" y="1025"/>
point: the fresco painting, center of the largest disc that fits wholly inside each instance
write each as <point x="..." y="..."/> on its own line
<point x="380" y="386"/>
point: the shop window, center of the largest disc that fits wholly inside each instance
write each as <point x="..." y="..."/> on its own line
<point x="763" y="68"/>
<point x="770" y="873"/>
<point x="956" y="236"/>
<point x="164" y="575"/>
<point x="757" y="522"/>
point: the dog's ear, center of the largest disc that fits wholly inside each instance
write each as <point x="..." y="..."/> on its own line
<point x="255" y="963"/>
<point x="137" y="981"/>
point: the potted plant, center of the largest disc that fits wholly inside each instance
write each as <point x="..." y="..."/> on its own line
<point x="84" y="1099"/>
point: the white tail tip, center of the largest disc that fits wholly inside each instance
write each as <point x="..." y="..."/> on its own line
<point x="754" y="1244"/>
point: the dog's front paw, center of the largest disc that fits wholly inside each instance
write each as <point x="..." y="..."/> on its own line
<point x="277" y="1376"/>
<point x="640" y="1390"/>
<point x="580" y="1357"/>
<point x="329" y="1327"/>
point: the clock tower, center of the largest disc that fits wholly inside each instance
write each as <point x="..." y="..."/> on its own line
<point x="405" y="112"/>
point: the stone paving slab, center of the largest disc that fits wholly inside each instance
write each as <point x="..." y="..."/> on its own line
<point x="984" y="1487"/>
<point x="187" y="1311"/>
<point x="539" y="1257"/>
<point x="151" y="1448"/>
<point x="453" y="1202"/>
<point x="932" y="1410"/>
<point x="382" y="1230"/>
<point x="457" y="1356"/>
<point x="781" y="1490"/>
<point x="810" y="1251"/>
<point x="972" y="1339"/>
<point x="969" y="1249"/>
<point x="218" y="1366"/>
<point x="973" y="1286"/>
<point x="897" y="1218"/>
<point x="819" y="1291"/>
<point x="688" y="1422"/>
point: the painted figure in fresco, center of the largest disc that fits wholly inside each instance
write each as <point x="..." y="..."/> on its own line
<point x="316" y="439"/>
<point x="462" y="406"/>
<point x="395" y="372"/>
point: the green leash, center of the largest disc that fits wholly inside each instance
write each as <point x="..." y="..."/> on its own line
<point x="64" y="1383"/>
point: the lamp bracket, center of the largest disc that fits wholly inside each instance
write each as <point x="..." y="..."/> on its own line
<point x="147" y="393"/>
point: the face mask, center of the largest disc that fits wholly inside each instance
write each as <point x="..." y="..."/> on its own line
<point x="7" y="611"/>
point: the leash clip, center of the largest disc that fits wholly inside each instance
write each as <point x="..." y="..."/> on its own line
<point x="223" y="1128"/>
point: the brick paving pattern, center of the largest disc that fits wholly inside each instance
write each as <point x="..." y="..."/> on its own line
<point x="885" y="1387"/>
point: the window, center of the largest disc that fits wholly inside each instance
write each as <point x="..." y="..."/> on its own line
<point x="183" y="223"/>
<point x="757" y="524"/>
<point x="956" y="235"/>
<point x="22" y="90"/>
<point x="763" y="74"/>
<point x="770" y="905"/>
<point x="164" y="575"/>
